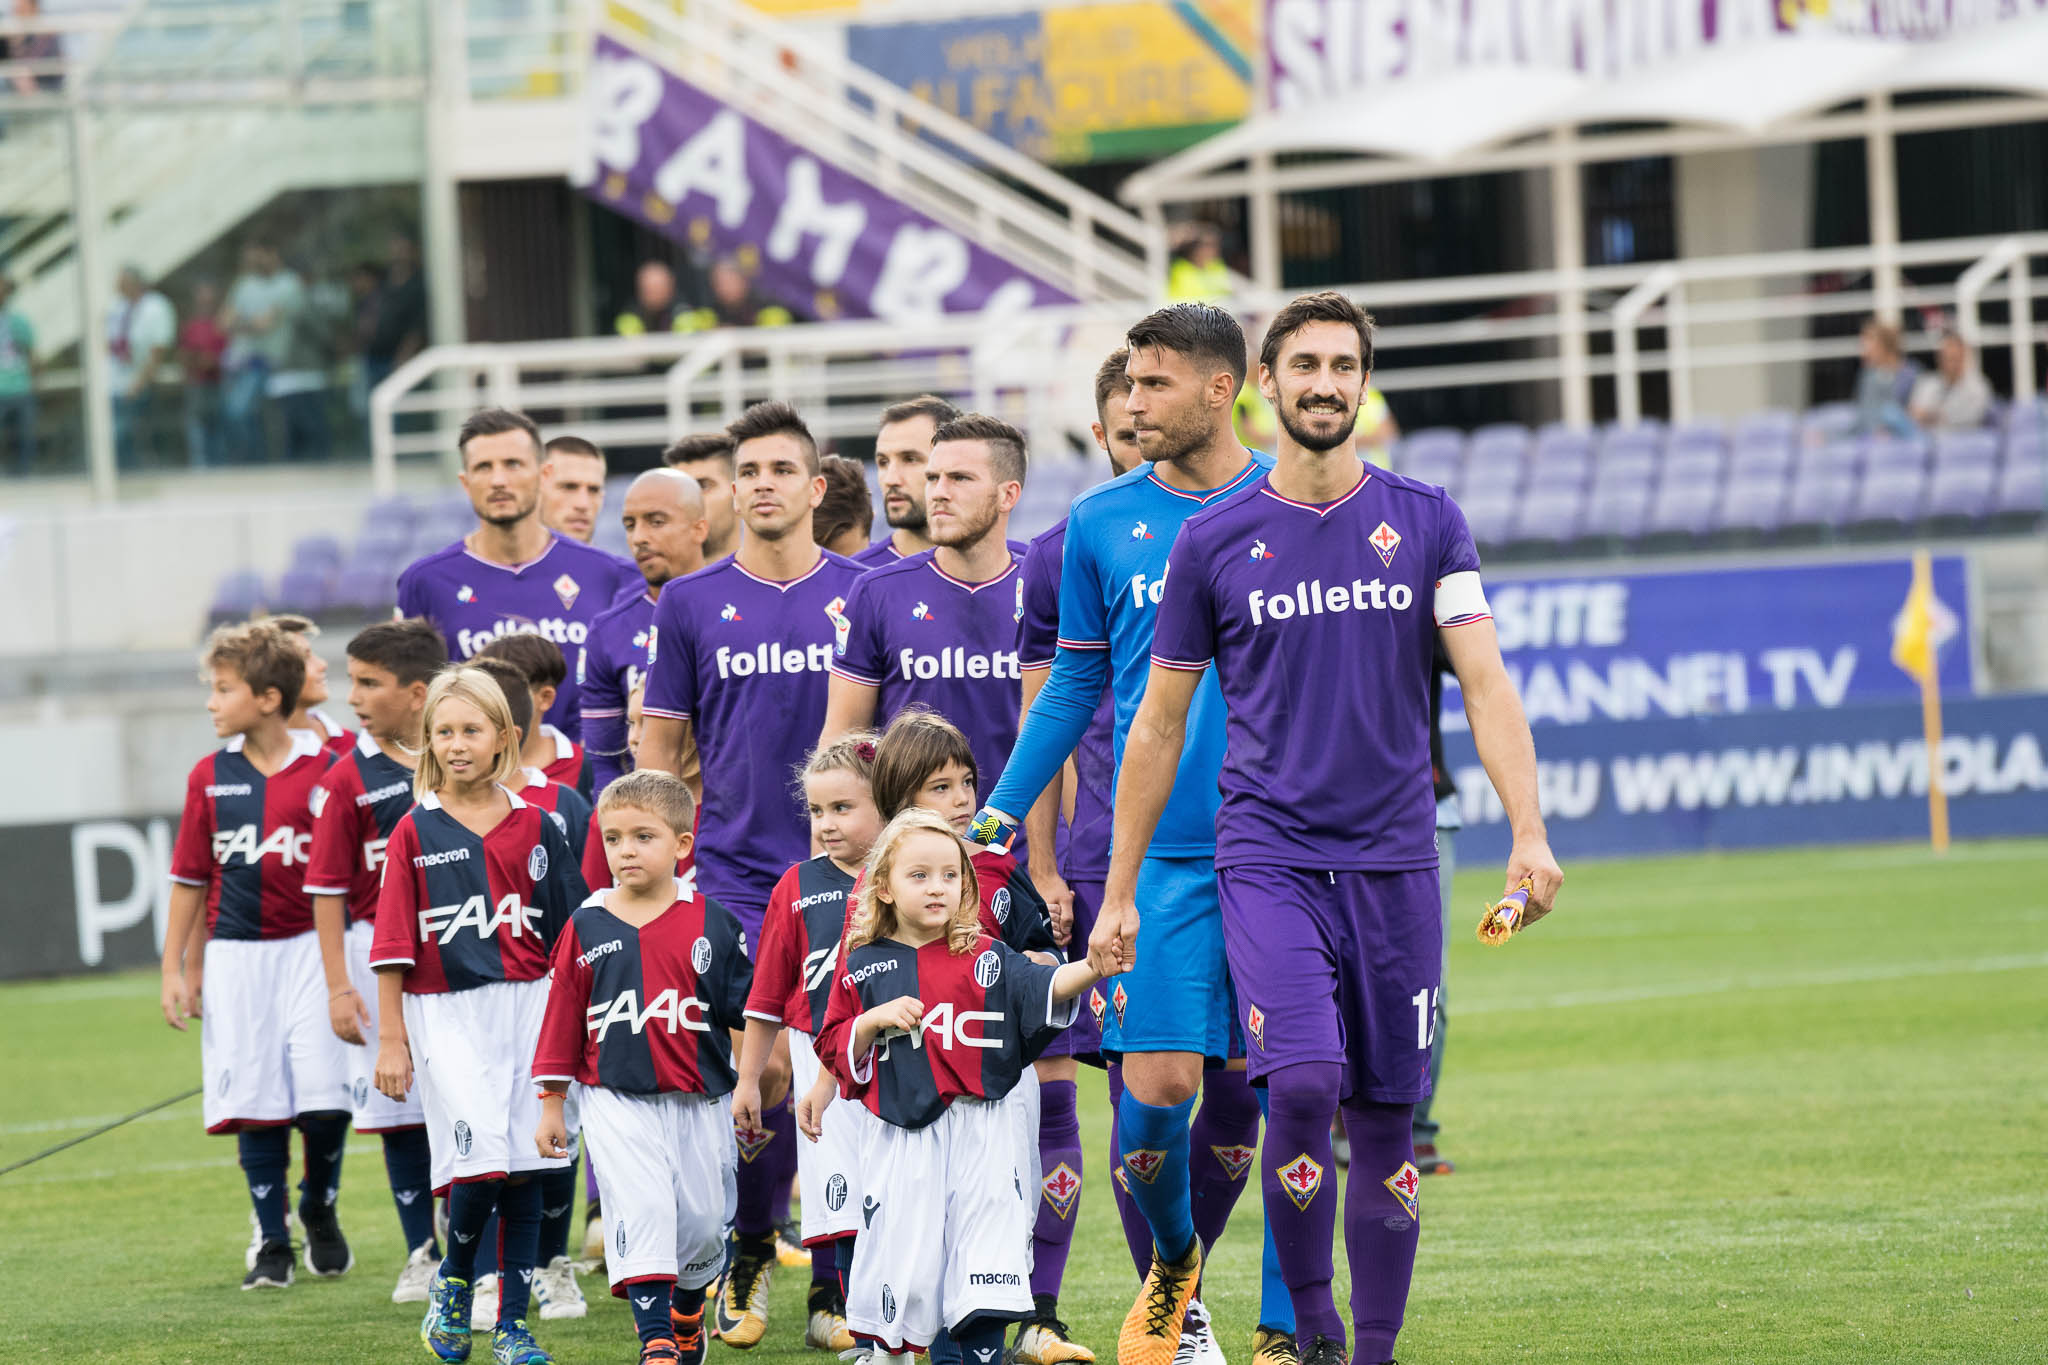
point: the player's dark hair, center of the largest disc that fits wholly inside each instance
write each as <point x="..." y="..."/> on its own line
<point x="538" y="659"/>
<point x="574" y="445"/>
<point x="411" y="650"/>
<point x="917" y="744"/>
<point x="1111" y="380"/>
<point x="1325" y="306"/>
<point x="774" y="418"/>
<point x="705" y="445"/>
<point x="518" y="692"/>
<point x="924" y="405"/>
<point x="874" y="918"/>
<point x="495" y="422"/>
<point x="264" y="656"/>
<point x="1005" y="443"/>
<point x="846" y="504"/>
<point x="1202" y="332"/>
<point x="662" y="795"/>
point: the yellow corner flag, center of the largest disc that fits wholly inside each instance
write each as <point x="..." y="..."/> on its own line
<point x="1919" y="631"/>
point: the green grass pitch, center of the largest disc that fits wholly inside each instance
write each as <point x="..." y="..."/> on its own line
<point x="1745" y="1108"/>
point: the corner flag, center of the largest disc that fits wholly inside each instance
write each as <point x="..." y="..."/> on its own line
<point x="1919" y="631"/>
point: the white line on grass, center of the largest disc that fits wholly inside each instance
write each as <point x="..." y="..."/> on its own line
<point x="356" y="1149"/>
<point x="1836" y="976"/>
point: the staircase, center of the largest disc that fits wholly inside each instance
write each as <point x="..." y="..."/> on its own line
<point x="928" y="160"/>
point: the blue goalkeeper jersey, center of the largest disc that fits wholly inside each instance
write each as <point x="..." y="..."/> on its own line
<point x="1111" y="578"/>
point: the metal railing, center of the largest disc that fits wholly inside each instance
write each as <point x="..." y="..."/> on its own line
<point x="1035" y="368"/>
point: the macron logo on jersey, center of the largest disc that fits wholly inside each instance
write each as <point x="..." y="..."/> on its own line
<point x="446" y="921"/>
<point x="290" y="845"/>
<point x="671" y="1008"/>
<point x="1311" y="598"/>
<point x="446" y="855"/>
<point x="767" y="658"/>
<point x="384" y="792"/>
<point x="547" y="627"/>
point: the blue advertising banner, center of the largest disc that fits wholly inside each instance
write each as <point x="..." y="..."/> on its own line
<point x="1853" y="775"/>
<point x="1716" y="642"/>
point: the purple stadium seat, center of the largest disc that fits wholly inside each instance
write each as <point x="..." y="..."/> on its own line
<point x="1702" y="433"/>
<point x="1548" y="517"/>
<point x="1626" y="464"/>
<point x="1643" y="436"/>
<point x="397" y="510"/>
<point x="1430" y="466"/>
<point x="1770" y="425"/>
<point x="1758" y="457"/>
<point x="1836" y="459"/>
<point x="237" y="595"/>
<point x="1509" y="436"/>
<point x="1498" y="470"/>
<point x="1820" y="499"/>
<point x="1556" y="436"/>
<point x="367" y="590"/>
<point x="317" y="552"/>
<point x="1561" y="467"/>
<point x="2030" y="415"/>
<point x="1491" y="518"/>
<point x="388" y="538"/>
<point x="1692" y="465"/>
<point x="1961" y="490"/>
<point x="1431" y="443"/>
<point x="1616" y="509"/>
<point x="1957" y="448"/>
<point x="303" y="590"/>
<point x="1684" y="507"/>
<point x="2022" y="487"/>
<point x="1752" y="503"/>
<point x="1889" y="497"/>
<point x="1828" y="422"/>
<point x="1891" y="453"/>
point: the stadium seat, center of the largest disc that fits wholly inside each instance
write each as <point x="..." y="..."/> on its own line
<point x="1841" y="459"/>
<point x="1683" y="507"/>
<point x="1757" y="457"/>
<point x="1828" y="422"/>
<point x="237" y="595"/>
<point x="368" y="591"/>
<point x="317" y="552"/>
<point x="1432" y="443"/>
<point x="1895" y="452"/>
<point x="1954" y="449"/>
<point x="1961" y="491"/>
<point x="1557" y="437"/>
<point x="1889" y="498"/>
<point x="1491" y="517"/>
<point x="1754" y="503"/>
<point x="1548" y="516"/>
<point x="1616" y="510"/>
<point x="1644" y="436"/>
<point x="1561" y="466"/>
<point x="1819" y="499"/>
<point x="2022" y="488"/>
<point x="1499" y="440"/>
<point x="1693" y="464"/>
<point x="1626" y="464"/>
<point x="303" y="590"/>
<point x="1771" y="425"/>
<point x="1700" y="434"/>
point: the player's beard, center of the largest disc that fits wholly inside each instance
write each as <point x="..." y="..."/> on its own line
<point x="1175" y="438"/>
<point x="1309" y="438"/>
<point x="520" y="512"/>
<point x="912" y="518"/>
<point x="972" y="527"/>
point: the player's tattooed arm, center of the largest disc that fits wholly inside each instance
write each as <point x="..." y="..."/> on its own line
<point x="1500" y="732"/>
<point x="1145" y="776"/>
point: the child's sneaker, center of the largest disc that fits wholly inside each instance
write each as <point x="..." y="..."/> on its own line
<point x="445" y="1329"/>
<point x="512" y="1344"/>
<point x="417" y="1279"/>
<point x="660" y="1351"/>
<point x="691" y="1345"/>
<point x="483" y="1307"/>
<point x="556" y="1292"/>
<point x="270" y="1267"/>
<point x="327" y="1252"/>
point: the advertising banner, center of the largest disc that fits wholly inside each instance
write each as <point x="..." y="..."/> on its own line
<point x="1714" y="642"/>
<point x="1322" y="49"/>
<point x="90" y="895"/>
<point x="1853" y="775"/>
<point x="820" y="240"/>
<point x="1078" y="83"/>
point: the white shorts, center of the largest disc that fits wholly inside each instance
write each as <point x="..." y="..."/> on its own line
<point x="667" y="1176"/>
<point x="375" y="1112"/>
<point x="1026" y="1106"/>
<point x="950" y="1232"/>
<point x="267" y="1052"/>
<point x="828" y="1170"/>
<point x="472" y="1061"/>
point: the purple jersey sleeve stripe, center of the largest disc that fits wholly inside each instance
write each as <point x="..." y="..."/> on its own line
<point x="841" y="671"/>
<point x="600" y="713"/>
<point x="1065" y="643"/>
<point x="665" y="715"/>
<point x="1182" y="665"/>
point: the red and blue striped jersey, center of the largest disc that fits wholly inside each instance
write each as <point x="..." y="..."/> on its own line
<point x="246" y="838"/>
<point x="335" y="738"/>
<point x="460" y="910"/>
<point x="988" y="1014"/>
<point x="568" y="767"/>
<point x="649" y="1009"/>
<point x="800" y="938"/>
<point x="570" y="810"/>
<point x="355" y="807"/>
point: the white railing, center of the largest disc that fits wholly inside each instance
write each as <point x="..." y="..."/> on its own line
<point x="1036" y="368"/>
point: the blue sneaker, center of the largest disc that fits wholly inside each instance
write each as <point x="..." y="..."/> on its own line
<point x="445" y="1329"/>
<point x="514" y="1345"/>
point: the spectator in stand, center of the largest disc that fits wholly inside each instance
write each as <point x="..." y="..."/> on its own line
<point x="142" y="327"/>
<point x="318" y="335"/>
<point x="733" y="303"/>
<point x="201" y="343"/>
<point x="398" y="307"/>
<point x="33" y="47"/>
<point x="1198" y="273"/>
<point x="264" y="305"/>
<point x="1885" y="381"/>
<point x="842" y="520"/>
<point x="17" y="384"/>
<point x="1956" y="397"/>
<point x="654" y="303"/>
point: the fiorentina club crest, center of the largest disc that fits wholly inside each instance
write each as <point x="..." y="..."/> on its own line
<point x="842" y="624"/>
<point x="568" y="590"/>
<point x="1020" y="597"/>
<point x="1385" y="539"/>
<point x="1301" y="1178"/>
<point x="1145" y="1163"/>
<point x="1255" y="1024"/>
<point x="1405" y="1185"/>
<point x="1096" y="1004"/>
<point x="1118" y="1000"/>
<point x="1062" y="1189"/>
<point x="752" y="1141"/>
<point x="1235" y="1160"/>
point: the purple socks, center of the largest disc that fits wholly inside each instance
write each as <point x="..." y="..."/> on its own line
<point x="781" y="1157"/>
<point x="1381" y="1222"/>
<point x="1222" y="1148"/>
<point x="1059" y="1204"/>
<point x="1299" y="1179"/>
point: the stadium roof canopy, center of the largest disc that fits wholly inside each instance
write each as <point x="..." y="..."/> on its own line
<point x="1508" y="117"/>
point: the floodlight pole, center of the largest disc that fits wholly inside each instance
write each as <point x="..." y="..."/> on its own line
<point x="1568" y="248"/>
<point x="1881" y="176"/>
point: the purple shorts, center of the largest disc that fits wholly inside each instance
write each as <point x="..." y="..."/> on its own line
<point x="1337" y="967"/>
<point x="1083" y="1037"/>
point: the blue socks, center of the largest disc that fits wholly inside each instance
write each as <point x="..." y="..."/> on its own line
<point x="519" y="1227"/>
<point x="326" y="1139"/>
<point x="470" y="1205"/>
<point x="409" y="1166"/>
<point x="557" y="1207"/>
<point x="265" y="1153"/>
<point x="1276" y="1305"/>
<point x="1154" y="1140"/>
<point x="650" y="1301"/>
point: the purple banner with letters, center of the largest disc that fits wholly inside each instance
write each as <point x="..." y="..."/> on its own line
<point x="814" y="237"/>
<point x="1322" y="49"/>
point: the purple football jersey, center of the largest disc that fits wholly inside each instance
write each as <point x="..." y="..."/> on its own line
<point x="745" y="660"/>
<point x="472" y="602"/>
<point x="1084" y="842"/>
<point x="1321" y="622"/>
<point x="878" y="554"/>
<point x="920" y="635"/>
<point x="611" y="661"/>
